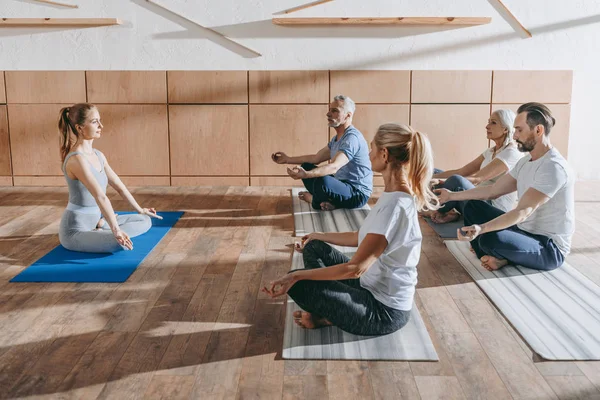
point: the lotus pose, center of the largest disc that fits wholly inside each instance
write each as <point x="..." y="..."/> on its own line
<point x="372" y="292"/>
<point x="485" y="170"/>
<point x="345" y="182"/>
<point x="537" y="233"/>
<point x="87" y="172"/>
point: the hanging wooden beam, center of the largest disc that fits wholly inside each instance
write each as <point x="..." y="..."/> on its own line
<point x="458" y="21"/>
<point x="55" y="3"/>
<point x="304" y="6"/>
<point x="204" y="27"/>
<point x="511" y="15"/>
<point x="57" y="22"/>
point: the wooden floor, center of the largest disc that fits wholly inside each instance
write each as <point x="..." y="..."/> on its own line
<point x="191" y="322"/>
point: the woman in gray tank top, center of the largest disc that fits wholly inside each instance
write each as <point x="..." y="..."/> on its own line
<point x="89" y="223"/>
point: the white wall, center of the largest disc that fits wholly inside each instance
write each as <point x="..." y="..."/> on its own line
<point x="565" y="36"/>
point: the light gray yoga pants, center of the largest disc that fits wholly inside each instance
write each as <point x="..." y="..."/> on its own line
<point x="78" y="231"/>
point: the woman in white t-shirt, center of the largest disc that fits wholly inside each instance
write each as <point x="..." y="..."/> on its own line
<point x="372" y="293"/>
<point x="484" y="170"/>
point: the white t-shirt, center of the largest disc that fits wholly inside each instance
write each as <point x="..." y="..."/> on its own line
<point x="393" y="277"/>
<point x="551" y="175"/>
<point x="509" y="156"/>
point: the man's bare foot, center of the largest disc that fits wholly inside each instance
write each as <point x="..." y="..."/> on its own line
<point x="306" y="320"/>
<point x="492" y="263"/>
<point x="327" y="206"/>
<point x="441" y="218"/>
<point x="306" y="196"/>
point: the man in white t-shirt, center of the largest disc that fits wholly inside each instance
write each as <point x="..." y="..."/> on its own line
<point x="537" y="233"/>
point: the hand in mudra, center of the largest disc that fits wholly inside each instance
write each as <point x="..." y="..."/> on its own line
<point x="151" y="212"/>
<point x="443" y="195"/>
<point x="280" y="157"/>
<point x="297" y="173"/>
<point x="123" y="239"/>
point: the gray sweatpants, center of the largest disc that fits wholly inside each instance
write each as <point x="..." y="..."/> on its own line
<point x="78" y="231"/>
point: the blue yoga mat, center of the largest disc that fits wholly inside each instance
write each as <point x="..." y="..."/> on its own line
<point x="62" y="265"/>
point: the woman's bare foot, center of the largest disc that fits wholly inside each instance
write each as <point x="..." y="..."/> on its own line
<point x="306" y="196"/>
<point x="427" y="214"/>
<point x="441" y="218"/>
<point x="492" y="263"/>
<point x="327" y="206"/>
<point x="308" y="321"/>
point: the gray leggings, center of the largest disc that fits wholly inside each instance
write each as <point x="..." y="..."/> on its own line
<point x="344" y="303"/>
<point x="78" y="231"/>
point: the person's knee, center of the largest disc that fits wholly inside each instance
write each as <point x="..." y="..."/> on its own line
<point x="487" y="242"/>
<point x="456" y="182"/>
<point x="313" y="246"/>
<point x="468" y="211"/>
<point x="146" y="223"/>
<point x="307" y="166"/>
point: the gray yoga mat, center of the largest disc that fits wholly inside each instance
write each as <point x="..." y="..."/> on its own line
<point x="446" y="231"/>
<point x="308" y="220"/>
<point x="557" y="312"/>
<point x="412" y="342"/>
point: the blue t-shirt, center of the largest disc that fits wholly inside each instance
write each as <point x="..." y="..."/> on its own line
<point x="358" y="171"/>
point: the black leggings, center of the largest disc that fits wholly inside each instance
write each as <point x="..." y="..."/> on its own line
<point x="344" y="303"/>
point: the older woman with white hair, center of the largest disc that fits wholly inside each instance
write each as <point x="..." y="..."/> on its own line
<point x="484" y="170"/>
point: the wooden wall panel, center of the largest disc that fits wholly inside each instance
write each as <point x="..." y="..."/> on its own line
<point x="146" y="180"/>
<point x="559" y="136"/>
<point x="297" y="130"/>
<point x="135" y="138"/>
<point x="526" y="86"/>
<point x="34" y="139"/>
<point x="208" y="86"/>
<point x="457" y="132"/>
<point x="2" y="88"/>
<point x="285" y="181"/>
<point x="30" y="87"/>
<point x="209" y="181"/>
<point x="369" y="117"/>
<point x="285" y="87"/>
<point x="372" y="86"/>
<point x="127" y="86"/>
<point x="451" y="86"/>
<point x="58" y="181"/>
<point x="209" y="135"/>
<point x="4" y="143"/>
<point x="209" y="139"/>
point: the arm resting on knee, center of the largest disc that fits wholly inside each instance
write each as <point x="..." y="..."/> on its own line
<point x="368" y="252"/>
<point x="338" y="162"/>
<point x="505" y="185"/>
<point x="531" y="200"/>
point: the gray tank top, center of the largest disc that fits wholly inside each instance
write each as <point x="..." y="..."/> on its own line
<point x="78" y="193"/>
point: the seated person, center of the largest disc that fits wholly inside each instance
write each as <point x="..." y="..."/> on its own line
<point x="346" y="182"/>
<point x="87" y="172"/>
<point x="372" y="293"/>
<point x="485" y="170"/>
<point x="537" y="233"/>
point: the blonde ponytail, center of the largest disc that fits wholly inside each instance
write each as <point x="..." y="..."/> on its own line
<point x="420" y="171"/>
<point x="407" y="147"/>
